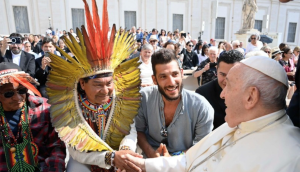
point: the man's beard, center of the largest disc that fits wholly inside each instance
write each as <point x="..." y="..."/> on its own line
<point x="16" y="50"/>
<point x="162" y="92"/>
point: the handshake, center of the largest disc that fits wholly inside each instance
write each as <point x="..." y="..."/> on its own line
<point x="128" y="161"/>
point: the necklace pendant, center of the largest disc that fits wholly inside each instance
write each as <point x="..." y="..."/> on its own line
<point x="13" y="149"/>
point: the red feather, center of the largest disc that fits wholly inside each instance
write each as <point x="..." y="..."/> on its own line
<point x="27" y="84"/>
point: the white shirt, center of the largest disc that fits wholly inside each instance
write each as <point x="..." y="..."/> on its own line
<point x="251" y="47"/>
<point x="16" y="58"/>
<point x="146" y="72"/>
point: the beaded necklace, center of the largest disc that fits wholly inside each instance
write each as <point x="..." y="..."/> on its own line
<point x="95" y="114"/>
<point x="20" y="152"/>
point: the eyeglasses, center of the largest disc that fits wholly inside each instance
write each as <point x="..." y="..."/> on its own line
<point x="191" y="45"/>
<point x="267" y="52"/>
<point x="153" y="41"/>
<point x="237" y="45"/>
<point x="253" y="38"/>
<point x="9" y="94"/>
<point x="164" y="133"/>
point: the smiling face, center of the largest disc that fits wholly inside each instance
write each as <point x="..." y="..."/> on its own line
<point x="16" y="48"/>
<point x="233" y="95"/>
<point x="16" y="101"/>
<point x="253" y="39"/>
<point x="98" y="90"/>
<point x="222" y="71"/>
<point x="168" y="78"/>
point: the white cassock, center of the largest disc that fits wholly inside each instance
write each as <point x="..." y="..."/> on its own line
<point x="274" y="148"/>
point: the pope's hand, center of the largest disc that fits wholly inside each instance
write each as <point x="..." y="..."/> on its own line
<point x="134" y="164"/>
<point x="119" y="160"/>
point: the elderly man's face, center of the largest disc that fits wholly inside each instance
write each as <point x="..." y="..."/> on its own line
<point x="228" y="46"/>
<point x="98" y="90"/>
<point x="233" y="95"/>
<point x="12" y="99"/>
<point x="146" y="54"/>
<point x="212" y="55"/>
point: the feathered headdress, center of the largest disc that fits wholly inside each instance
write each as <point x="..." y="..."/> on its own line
<point x="94" y="55"/>
<point x="11" y="73"/>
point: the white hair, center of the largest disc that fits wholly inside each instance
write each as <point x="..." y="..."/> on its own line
<point x="147" y="47"/>
<point x="256" y="53"/>
<point x="241" y="50"/>
<point x="257" y="35"/>
<point x="212" y="48"/>
<point x="272" y="93"/>
<point x="235" y="42"/>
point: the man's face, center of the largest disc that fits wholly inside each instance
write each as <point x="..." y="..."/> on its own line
<point x="16" y="48"/>
<point x="170" y="46"/>
<point x="233" y="95"/>
<point x="16" y="101"/>
<point x="213" y="42"/>
<point x="138" y="31"/>
<point x="36" y="39"/>
<point x="27" y="47"/>
<point x="236" y="46"/>
<point x="222" y="71"/>
<point x="168" y="78"/>
<point x="71" y="30"/>
<point x="133" y="30"/>
<point x="212" y="55"/>
<point x="48" y="47"/>
<point x="228" y="46"/>
<point x="98" y="90"/>
<point x="153" y="42"/>
<point x="146" y="54"/>
<point x="189" y="47"/>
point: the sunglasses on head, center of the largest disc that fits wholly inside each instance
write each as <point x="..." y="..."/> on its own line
<point x="9" y="94"/>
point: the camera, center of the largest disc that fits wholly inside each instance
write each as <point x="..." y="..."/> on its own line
<point x="212" y="65"/>
<point x="15" y="40"/>
<point x="183" y="34"/>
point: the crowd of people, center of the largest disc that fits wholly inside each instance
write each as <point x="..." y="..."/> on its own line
<point x="64" y="92"/>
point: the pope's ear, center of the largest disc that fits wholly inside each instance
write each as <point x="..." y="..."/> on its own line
<point x="251" y="97"/>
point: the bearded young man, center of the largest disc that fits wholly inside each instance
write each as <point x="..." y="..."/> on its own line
<point x="170" y="117"/>
<point x="28" y="140"/>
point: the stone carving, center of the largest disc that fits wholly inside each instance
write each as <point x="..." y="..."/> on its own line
<point x="249" y="10"/>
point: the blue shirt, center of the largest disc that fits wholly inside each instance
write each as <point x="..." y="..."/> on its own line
<point x="192" y="120"/>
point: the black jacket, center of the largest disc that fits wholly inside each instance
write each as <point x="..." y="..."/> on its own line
<point x="211" y="91"/>
<point x="294" y="107"/>
<point x="190" y="60"/>
<point x="27" y="61"/>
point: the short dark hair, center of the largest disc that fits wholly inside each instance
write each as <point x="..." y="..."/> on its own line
<point x="230" y="57"/>
<point x="47" y="40"/>
<point x="188" y="43"/>
<point x="163" y="56"/>
<point x="282" y="46"/>
<point x="16" y="35"/>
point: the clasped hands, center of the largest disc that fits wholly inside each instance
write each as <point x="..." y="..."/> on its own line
<point x="128" y="161"/>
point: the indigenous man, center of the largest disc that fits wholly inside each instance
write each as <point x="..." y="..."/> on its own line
<point x="28" y="140"/>
<point x="258" y="135"/>
<point x="94" y="99"/>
